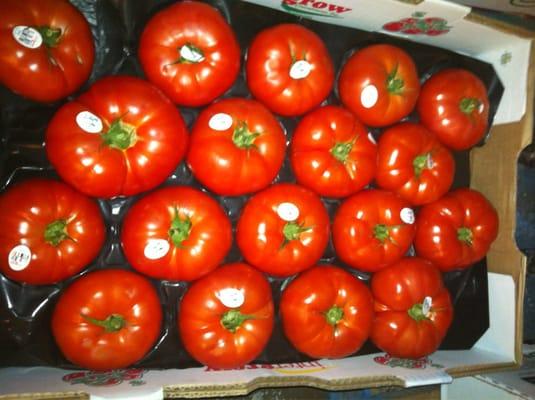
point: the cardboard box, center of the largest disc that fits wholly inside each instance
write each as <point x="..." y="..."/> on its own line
<point x="493" y="171"/>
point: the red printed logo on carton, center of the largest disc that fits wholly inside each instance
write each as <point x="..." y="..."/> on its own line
<point x="295" y="368"/>
<point x="314" y="8"/>
<point x="420" y="363"/>
<point x="419" y="24"/>
<point x="106" y="378"/>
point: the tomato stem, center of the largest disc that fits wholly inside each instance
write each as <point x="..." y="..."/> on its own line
<point x="421" y="162"/>
<point x="180" y="229"/>
<point x="51" y="36"/>
<point x="112" y="323"/>
<point x="292" y="231"/>
<point x="190" y="54"/>
<point x="416" y="312"/>
<point x="393" y="83"/>
<point x="334" y="315"/>
<point x="120" y="135"/>
<point x="232" y="320"/>
<point x="341" y="150"/>
<point x="381" y="232"/>
<point x="465" y="235"/>
<point x="468" y="104"/>
<point x="242" y="137"/>
<point x="56" y="232"/>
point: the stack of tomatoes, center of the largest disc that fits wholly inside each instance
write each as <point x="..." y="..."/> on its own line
<point x="373" y="202"/>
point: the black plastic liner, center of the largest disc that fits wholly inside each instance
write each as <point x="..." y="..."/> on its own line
<point x="25" y="310"/>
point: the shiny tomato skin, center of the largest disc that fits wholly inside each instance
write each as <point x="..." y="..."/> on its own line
<point x="373" y="229"/>
<point x="331" y="152"/>
<point x="199" y="81"/>
<point x="193" y="225"/>
<point x="57" y="67"/>
<point x="326" y="312"/>
<point x="156" y="139"/>
<point x="271" y="79"/>
<point x="72" y="223"/>
<point x="457" y="230"/>
<point x="414" y="164"/>
<point x="283" y="229"/>
<point x="222" y="328"/>
<point x="454" y="106"/>
<point x="237" y="158"/>
<point x="379" y="83"/>
<point x="399" y="288"/>
<point x="97" y="296"/>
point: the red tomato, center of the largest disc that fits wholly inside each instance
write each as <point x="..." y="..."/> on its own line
<point x="379" y="83"/>
<point x="455" y="107"/>
<point x="373" y="229"/>
<point x="283" y="230"/>
<point x="326" y="312"/>
<point x="457" y="230"/>
<point x="50" y="232"/>
<point x="190" y="52"/>
<point x="46" y="48"/>
<point x="289" y="69"/>
<point x="237" y="147"/>
<point x="226" y="318"/>
<point x="331" y="153"/>
<point x="413" y="309"/>
<point x="176" y="233"/>
<point x="413" y="163"/>
<point x="121" y="137"/>
<point x="107" y="319"/>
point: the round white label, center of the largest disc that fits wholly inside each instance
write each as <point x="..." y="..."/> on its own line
<point x="288" y="211"/>
<point x="220" y="122"/>
<point x="190" y="54"/>
<point x="231" y="297"/>
<point x="369" y="96"/>
<point x="300" y="69"/>
<point x="372" y="139"/>
<point x="426" y="305"/>
<point x="430" y="163"/>
<point x="89" y="122"/>
<point x="19" y="257"/>
<point x="481" y="108"/>
<point x="27" y="36"/>
<point x="156" y="248"/>
<point x="407" y="215"/>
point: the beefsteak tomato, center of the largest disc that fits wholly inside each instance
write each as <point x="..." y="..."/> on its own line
<point x="326" y="312"/>
<point x="331" y="152"/>
<point x="50" y="231"/>
<point x="226" y="318"/>
<point x="121" y="137"/>
<point x="107" y="319"/>
<point x="46" y="48"/>
<point x="413" y="309"/>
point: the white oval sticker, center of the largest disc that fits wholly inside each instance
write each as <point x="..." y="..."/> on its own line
<point x="156" y="248"/>
<point x="430" y="163"/>
<point x="89" y="122"/>
<point x="27" y="36"/>
<point x="191" y="54"/>
<point x="19" y="257"/>
<point x="407" y="215"/>
<point x="220" y="122"/>
<point x="300" y="69"/>
<point x="481" y="108"/>
<point x="372" y="139"/>
<point x="288" y="211"/>
<point x="369" y="96"/>
<point x="426" y="305"/>
<point x="231" y="297"/>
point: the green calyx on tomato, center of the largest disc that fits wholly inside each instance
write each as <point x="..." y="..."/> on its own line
<point x="382" y="232"/>
<point x="341" y="151"/>
<point x="56" y="232"/>
<point x="416" y="312"/>
<point x="112" y="323"/>
<point x="232" y="320"/>
<point x="292" y="231"/>
<point x="465" y="235"/>
<point x="394" y="84"/>
<point x="334" y="315"/>
<point x="242" y="137"/>
<point x="468" y="105"/>
<point x="421" y="162"/>
<point x="51" y="36"/>
<point x="190" y="54"/>
<point x="180" y="229"/>
<point x="120" y="136"/>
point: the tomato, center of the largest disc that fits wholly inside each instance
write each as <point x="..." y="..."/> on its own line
<point x="413" y="163"/>
<point x="289" y="69"/>
<point x="326" y="312"/>
<point x="107" y="319"/>
<point x="121" y="137"/>
<point x="46" y="48"/>
<point x="331" y="152"/>
<point x="190" y="52"/>
<point x="283" y="229"/>
<point x="457" y="230"/>
<point x="373" y="229"/>
<point x="176" y="233"/>
<point x="237" y="147"/>
<point x="226" y="318"/>
<point x="49" y="231"/>
<point x="379" y="83"/>
<point x="413" y="309"/>
<point x="455" y="107"/>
